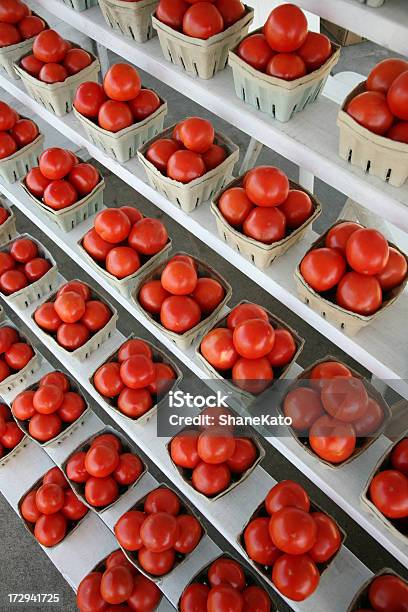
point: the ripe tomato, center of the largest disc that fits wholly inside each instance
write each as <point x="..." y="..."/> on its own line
<point x="78" y="287"/>
<point x="134" y="346"/>
<point x="287" y="66"/>
<point x="89" y="598"/>
<point x="231" y="11"/>
<point x="122" y="261"/>
<point x="255" y="51"/>
<point x="49" y="498"/>
<point x="70" y="306"/>
<point x="384" y="74"/>
<point x="359" y="293"/>
<point x="36" y="182"/>
<point x="49" y="46"/>
<point x="367" y="251"/>
<point x="101" y="492"/>
<point x="399" y="457"/>
<point x="12" y="435"/>
<point x="216" y="446"/>
<point x="224" y="597"/>
<point x="137" y="372"/>
<point x="134" y="402"/>
<point x="158" y="532"/>
<point x="245" y="455"/>
<point x="76" y="60"/>
<point x="128" y="469"/>
<point x="156" y="564"/>
<point x="185" y="166"/>
<point x="292" y="530"/>
<point x="202" y="21"/>
<point x="44" y="427"/>
<point x="122" y="82"/>
<point x="226" y="571"/>
<point x="371" y="421"/>
<point x="235" y="206"/>
<point x="132" y="213"/>
<point x="116" y="584"/>
<point x="254" y="338"/>
<point x="73" y="509"/>
<point x="208" y="294"/>
<point x="8" y="336"/>
<point x="284" y="348"/>
<point x="388" y="593"/>
<point x="346" y="398"/>
<point x="160" y="152"/>
<point x="96" y="316"/>
<point x="331" y="439"/>
<point x="325" y="371"/>
<point x="303" y="406"/>
<point x="211" y="479"/>
<point x="72" y="407"/>
<point x="108" y="439"/>
<point x="8" y="145"/>
<point x="256" y="599"/>
<point x="179" y="278"/>
<point x="22" y="406"/>
<point x="107" y="379"/>
<point x="394" y="271"/>
<point x="114" y="116"/>
<point x="162" y="500"/>
<point x="146" y="595"/>
<point x="55" y="476"/>
<point x="53" y="73"/>
<point x="6" y="263"/>
<point x="148" y="236"/>
<point x="218" y="349"/>
<point x="118" y="557"/>
<point x="183" y="449"/>
<point x="179" y="313"/>
<point x="31" y="65"/>
<point x="47" y="399"/>
<point x="112" y="225"/>
<point x="84" y="177"/>
<point x="4" y="370"/>
<point x="398" y="132"/>
<point x="266" y="186"/>
<point x="214" y="156"/>
<point x="56" y="163"/>
<point x="59" y="195"/>
<point x="389" y="492"/>
<point x="287" y="493"/>
<point x="244" y="312"/>
<point x="12" y="281"/>
<point x="315" y="51"/>
<point x="89" y="98"/>
<point x="189" y="534"/>
<point x="197" y="134"/>
<point x="36" y="268"/>
<point x="28" y="508"/>
<point x="72" y="335"/>
<point x="252" y="375"/>
<point x="8" y="117"/>
<point x="46" y="317"/>
<point x="30" y="26"/>
<point x="297" y="208"/>
<point x="171" y="12"/>
<point x="164" y="377"/>
<point x="24" y="132"/>
<point x="9" y="35"/>
<point x="328" y="539"/>
<point x="258" y="543"/>
<point x="370" y="109"/>
<point x="286" y="28"/>
<point x="295" y="576"/>
<point x="50" y="529"/>
<point x="397" y="97"/>
<point x="56" y="378"/>
<point x="75" y="468"/>
<point x="322" y="268"/>
<point x="144" y="105"/>
<point x="101" y="460"/>
<point x="266" y="225"/>
<point x="97" y="248"/>
<point x="18" y="355"/>
<point x="12" y="11"/>
<point x="194" y="598"/>
<point x="338" y="235"/>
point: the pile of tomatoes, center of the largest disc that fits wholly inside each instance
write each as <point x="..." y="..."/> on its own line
<point x="383" y="107"/>
<point x="10" y="433"/>
<point x="285" y="49"/>
<point x="160" y="530"/>
<point x="49" y="407"/>
<point x="117" y="581"/>
<point x="122" y="240"/>
<point x="61" y="179"/>
<point x="54" y="59"/>
<point x="120" y="102"/>
<point x="293" y="539"/>
<point x="74" y="316"/>
<point x="385" y="593"/>
<point x="190" y="153"/>
<point x="356" y="268"/>
<point x="389" y="488"/>
<point x="182" y="297"/>
<point x="15" y="354"/>
<point x="203" y="21"/>
<point x="225" y="586"/>
<point x="334" y="411"/>
<point x="52" y="509"/>
<point x="132" y="380"/>
<point x="21" y="265"/>
<point x="103" y="470"/>
<point x="264" y="207"/>
<point x="248" y="348"/>
<point x="15" y="132"/>
<point x="17" y="23"/>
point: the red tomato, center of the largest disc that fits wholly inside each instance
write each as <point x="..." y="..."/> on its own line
<point x="397" y="97"/>
<point x="370" y="109"/>
<point x="202" y="20"/>
<point x="225" y="597"/>
<point x="55" y="476"/>
<point x="258" y="543"/>
<point x="122" y="261"/>
<point x="389" y="492"/>
<point x="49" y="46"/>
<point x="322" y="268"/>
<point x="89" y="98"/>
<point x="189" y="534"/>
<point x="346" y="398"/>
<point x="77" y="286"/>
<point x="12" y="11"/>
<point x="137" y="372"/>
<point x="332" y="440"/>
<point x="8" y="145"/>
<point x="287" y="66"/>
<point x="216" y="446"/>
<point x="367" y="251"/>
<point x="164" y="377"/>
<point x="51" y="529"/>
<point x="371" y="421"/>
<point x="112" y="225"/>
<point x="179" y="278"/>
<point x="73" y="509"/>
<point x="359" y="293"/>
<point x="256" y="599"/>
<point x="46" y="317"/>
<point x="388" y="593"/>
<point x="100" y="492"/>
<point x="36" y="182"/>
<point x="156" y="564"/>
<point x="23" y="250"/>
<point x="4" y="370"/>
<point x="255" y="51"/>
<point x="293" y="530"/>
<point x="185" y="166"/>
<point x="72" y="407"/>
<point x="44" y="427"/>
<point x="244" y="312"/>
<point x="36" y="268"/>
<point x="214" y="156"/>
<point x="399" y="132"/>
<point x="171" y="12"/>
<point x="56" y="378"/>
<point x="132" y="213"/>
<point x="144" y="105"/>
<point x="146" y="595"/>
<point x="245" y="455"/>
<point x="6" y="263"/>
<point x="31" y="65"/>
<point x="18" y="355"/>
<point x="28" y="508"/>
<point x="56" y="163"/>
<point x="97" y="248"/>
<point x="158" y="532"/>
<point x="89" y="598"/>
<point x="160" y="152"/>
<point x="328" y="539"/>
<point x="72" y="335"/>
<point x="394" y="271"/>
<point x="8" y="336"/>
<point x="183" y="449"/>
<point x="8" y="117"/>
<point x="118" y="557"/>
<point x="107" y="379"/>
<point x="339" y="234"/>
<point x="211" y="479"/>
<point x="208" y="294"/>
<point x="84" y="177"/>
<point x="22" y="406"/>
<point x="254" y="338"/>
<point x="53" y="73"/>
<point x="286" y="28"/>
<point x="287" y="493"/>
<point x="128" y="469"/>
<point x="325" y="371"/>
<point x="284" y="348"/>
<point x="252" y="375"/>
<point x="218" y="349"/>
<point x="266" y="186"/>
<point x="134" y="402"/>
<point x="24" y="132"/>
<point x="12" y="435"/>
<point x="122" y="82"/>
<point x="384" y="74"/>
<point x="231" y="11"/>
<point x="12" y="281"/>
<point x="226" y="571"/>
<point x="295" y="576"/>
<point x="9" y="35"/>
<point x="116" y="584"/>
<point x="194" y="598"/>
<point x="162" y="500"/>
<point x="197" y="134"/>
<point x="49" y="498"/>
<point x="70" y="306"/>
<point x="235" y="206"/>
<point x="303" y="406"/>
<point x="399" y="457"/>
<point x="297" y="208"/>
<point x="179" y="313"/>
<point x="76" y="60"/>
<point x="148" y="236"/>
<point x="134" y="346"/>
<point x="75" y="468"/>
<point x="96" y="316"/>
<point x="30" y="26"/>
<point x="114" y="116"/>
<point x="108" y="439"/>
<point x="266" y="225"/>
<point x="101" y="460"/>
<point x="315" y="51"/>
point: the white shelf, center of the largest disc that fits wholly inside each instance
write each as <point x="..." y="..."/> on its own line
<point x="310" y="139"/>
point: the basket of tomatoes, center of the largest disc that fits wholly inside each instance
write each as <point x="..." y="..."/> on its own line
<point x="20" y="144"/>
<point x="65" y="188"/>
<point x="28" y="271"/>
<point x="18" y="359"/>
<point x="52" y="73"/>
<point x="386" y="493"/>
<point x="158" y="533"/>
<point x="11" y="436"/>
<point x="115" y="580"/>
<point x="386" y="591"/>
<point x="8" y="229"/>
<point x="262" y="214"/>
<point x="351" y="275"/>
<point x="373" y="123"/>
<point x="282" y="68"/>
<point x="133" y="19"/>
<point x="198" y="38"/>
<point x="183" y="298"/>
<point x="189" y="162"/>
<point x="123" y="246"/>
<point x="18" y="28"/>
<point x="225" y="584"/>
<point x="336" y="413"/>
<point x="135" y="380"/>
<point x="119" y="116"/>
<point x="50" y="510"/>
<point x="75" y="319"/>
<point x="80" y="5"/>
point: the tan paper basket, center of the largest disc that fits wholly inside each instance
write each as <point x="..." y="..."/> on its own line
<point x="279" y="98"/>
<point x="58" y="97"/>
<point x="360" y="600"/>
<point x="184" y="341"/>
<point x="14" y="167"/>
<point x="13" y="53"/>
<point x="80" y="5"/>
<point x="18" y="378"/>
<point x="349" y="322"/>
<point x="190" y="195"/>
<point x="133" y="19"/>
<point x="202" y="58"/>
<point x="70" y="217"/>
<point x="376" y="155"/>
<point x="8" y="229"/>
<point x="261" y="254"/>
<point x="158" y="356"/>
<point x="83" y="352"/>
<point x="123" y="145"/>
<point x="37" y="290"/>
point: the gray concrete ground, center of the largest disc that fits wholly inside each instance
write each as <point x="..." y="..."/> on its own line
<point x="24" y="567"/>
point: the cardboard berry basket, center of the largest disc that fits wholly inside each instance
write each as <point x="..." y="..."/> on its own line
<point x="349" y="322"/>
<point x="279" y="373"/>
<point x="360" y="601"/>
<point x="362" y="443"/>
<point x="37" y="290"/>
<point x="279" y="98"/>
<point x="126" y="285"/>
<point x="202" y="58"/>
<point x="58" y="97"/>
<point x="8" y="229"/>
<point x="159" y="356"/>
<point x="80" y="5"/>
<point x="71" y="216"/>
<point x="13" y="53"/>
<point x="185" y="340"/>
<point x="190" y="195"/>
<point x="261" y="254"/>
<point x="83" y="352"/>
<point x="133" y="19"/>
<point x="123" y="145"/>
<point x="15" y="166"/>
<point x="19" y="377"/>
<point x="374" y="154"/>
